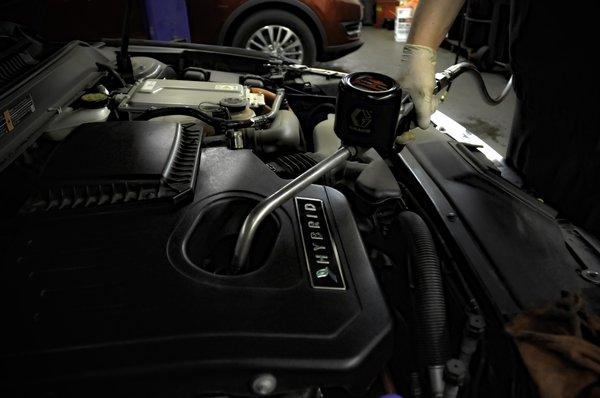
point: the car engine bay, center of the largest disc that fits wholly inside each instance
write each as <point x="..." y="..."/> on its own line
<point x="123" y="203"/>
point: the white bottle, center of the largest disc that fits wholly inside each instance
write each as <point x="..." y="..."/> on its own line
<point x="404" y="16"/>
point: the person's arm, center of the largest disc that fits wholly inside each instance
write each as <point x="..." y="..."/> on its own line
<point x="431" y="22"/>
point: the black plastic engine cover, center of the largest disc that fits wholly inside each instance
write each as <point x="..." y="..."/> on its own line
<point x="123" y="301"/>
<point x="114" y="163"/>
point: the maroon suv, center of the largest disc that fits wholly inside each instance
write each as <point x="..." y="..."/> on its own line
<point x="300" y="30"/>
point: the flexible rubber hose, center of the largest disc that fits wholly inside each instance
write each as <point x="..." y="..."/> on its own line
<point x="455" y="71"/>
<point x="217" y="123"/>
<point x="430" y="303"/>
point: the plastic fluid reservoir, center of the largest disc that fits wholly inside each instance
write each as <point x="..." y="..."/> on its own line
<point x="324" y="139"/>
<point x="91" y="108"/>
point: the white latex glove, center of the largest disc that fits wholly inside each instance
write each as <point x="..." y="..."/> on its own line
<point x="417" y="78"/>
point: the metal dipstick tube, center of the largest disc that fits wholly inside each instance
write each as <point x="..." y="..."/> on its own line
<point x="268" y="205"/>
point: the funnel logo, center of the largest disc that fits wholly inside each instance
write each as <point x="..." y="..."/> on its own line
<point x="371" y="83"/>
<point x="361" y="120"/>
<point x="321" y="255"/>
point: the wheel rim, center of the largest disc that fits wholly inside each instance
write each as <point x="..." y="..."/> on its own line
<point x="277" y="40"/>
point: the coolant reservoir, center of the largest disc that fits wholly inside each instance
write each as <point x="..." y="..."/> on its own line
<point x="70" y="118"/>
<point x="90" y="107"/>
<point x="324" y="139"/>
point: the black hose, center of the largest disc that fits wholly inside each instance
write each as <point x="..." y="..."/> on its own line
<point x="219" y="124"/>
<point x="112" y="72"/>
<point x="160" y="112"/>
<point x="455" y="71"/>
<point x="430" y="302"/>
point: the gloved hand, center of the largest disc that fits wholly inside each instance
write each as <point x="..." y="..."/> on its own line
<point x="417" y="78"/>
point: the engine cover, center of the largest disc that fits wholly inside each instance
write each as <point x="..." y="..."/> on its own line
<point x="137" y="301"/>
<point x="113" y="163"/>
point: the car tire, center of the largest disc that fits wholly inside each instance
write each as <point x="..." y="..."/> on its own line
<point x="277" y="18"/>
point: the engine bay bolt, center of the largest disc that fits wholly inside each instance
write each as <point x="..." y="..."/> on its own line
<point x="264" y="384"/>
<point x="455" y="374"/>
<point x="475" y="326"/>
<point x="591" y="276"/>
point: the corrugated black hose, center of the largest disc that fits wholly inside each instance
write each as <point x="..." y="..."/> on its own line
<point x="430" y="303"/>
<point x="219" y="124"/>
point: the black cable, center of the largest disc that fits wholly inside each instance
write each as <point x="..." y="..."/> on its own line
<point x="112" y="72"/>
<point x="123" y="59"/>
<point x="220" y="125"/>
<point x="218" y="106"/>
<point x="298" y="92"/>
<point x="475" y="384"/>
<point x="198" y="114"/>
<point x="463" y="33"/>
<point x="483" y="88"/>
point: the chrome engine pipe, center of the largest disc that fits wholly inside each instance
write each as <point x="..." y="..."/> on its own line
<point x="274" y="201"/>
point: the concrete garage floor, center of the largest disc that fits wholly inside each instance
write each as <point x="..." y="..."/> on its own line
<point x="381" y="53"/>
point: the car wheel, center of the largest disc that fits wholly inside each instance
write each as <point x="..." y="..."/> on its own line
<point x="279" y="33"/>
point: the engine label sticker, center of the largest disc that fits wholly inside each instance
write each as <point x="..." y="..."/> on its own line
<point x="227" y="87"/>
<point x="321" y="254"/>
<point x="12" y="116"/>
<point x="148" y="86"/>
